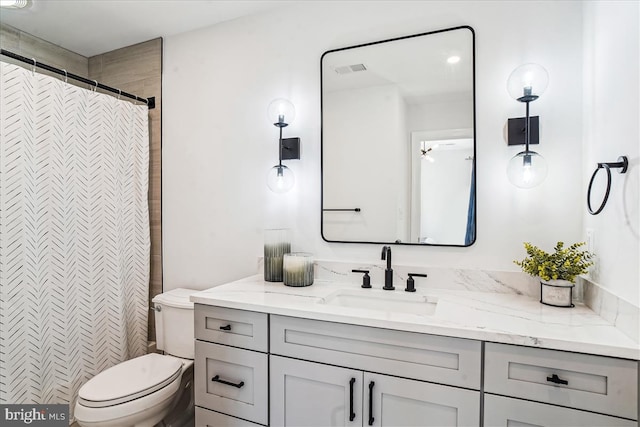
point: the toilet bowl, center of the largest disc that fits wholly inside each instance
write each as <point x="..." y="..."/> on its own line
<point x="146" y="390"/>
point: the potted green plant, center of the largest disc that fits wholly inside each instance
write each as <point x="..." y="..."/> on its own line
<point x="557" y="271"/>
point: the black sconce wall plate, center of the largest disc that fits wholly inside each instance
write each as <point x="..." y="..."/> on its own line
<point x="290" y="148"/>
<point x="515" y="131"/>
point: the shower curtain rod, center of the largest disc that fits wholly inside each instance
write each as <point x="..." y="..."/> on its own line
<point x="151" y="102"/>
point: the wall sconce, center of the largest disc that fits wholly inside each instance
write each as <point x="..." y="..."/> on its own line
<point x="280" y="178"/>
<point x="526" y="169"/>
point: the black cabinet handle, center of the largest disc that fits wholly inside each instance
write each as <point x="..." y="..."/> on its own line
<point x="557" y="380"/>
<point x="225" y="328"/>
<point x="352" y="415"/>
<point x="218" y="380"/>
<point x="371" y="419"/>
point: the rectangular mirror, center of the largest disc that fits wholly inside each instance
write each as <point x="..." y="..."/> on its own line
<point x="398" y="140"/>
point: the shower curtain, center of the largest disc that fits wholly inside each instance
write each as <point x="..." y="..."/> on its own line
<point x="74" y="235"/>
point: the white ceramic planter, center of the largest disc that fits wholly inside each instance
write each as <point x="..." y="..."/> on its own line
<point x="558" y="293"/>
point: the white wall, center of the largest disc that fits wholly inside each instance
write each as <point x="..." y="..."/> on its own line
<point x="365" y="127"/>
<point x="456" y="114"/>
<point x="611" y="117"/>
<point x="218" y="144"/>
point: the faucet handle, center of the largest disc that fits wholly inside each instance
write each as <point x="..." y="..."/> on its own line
<point x="366" y="279"/>
<point x="411" y="284"/>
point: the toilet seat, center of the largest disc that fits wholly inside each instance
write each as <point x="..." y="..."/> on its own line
<point x="134" y="412"/>
<point x="130" y="380"/>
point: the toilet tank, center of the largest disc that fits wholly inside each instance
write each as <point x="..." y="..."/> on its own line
<point x="174" y="322"/>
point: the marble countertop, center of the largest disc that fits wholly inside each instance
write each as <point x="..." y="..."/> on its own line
<point x="488" y="316"/>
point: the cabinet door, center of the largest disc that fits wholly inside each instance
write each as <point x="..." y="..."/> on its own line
<point x="311" y="394"/>
<point x="391" y="401"/>
<point x="502" y="411"/>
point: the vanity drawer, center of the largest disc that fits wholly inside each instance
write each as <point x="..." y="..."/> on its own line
<point x="207" y="418"/>
<point x="503" y="411"/>
<point x="231" y="381"/>
<point x="443" y="360"/>
<point x="239" y="328"/>
<point x="595" y="383"/>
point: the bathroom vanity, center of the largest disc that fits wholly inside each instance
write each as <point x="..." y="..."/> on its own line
<point x="334" y="354"/>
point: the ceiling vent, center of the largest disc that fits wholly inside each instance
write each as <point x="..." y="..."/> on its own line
<point x="348" y="69"/>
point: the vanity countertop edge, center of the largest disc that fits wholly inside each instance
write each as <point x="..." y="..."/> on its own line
<point x="484" y="316"/>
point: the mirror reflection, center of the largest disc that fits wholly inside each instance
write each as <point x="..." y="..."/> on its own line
<point x="398" y="141"/>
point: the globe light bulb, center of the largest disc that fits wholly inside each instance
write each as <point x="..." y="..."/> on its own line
<point x="281" y="112"/>
<point x="280" y="179"/>
<point x="527" y="169"/>
<point x="528" y="82"/>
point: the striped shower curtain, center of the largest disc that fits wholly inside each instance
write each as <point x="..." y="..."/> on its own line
<point x="74" y="235"/>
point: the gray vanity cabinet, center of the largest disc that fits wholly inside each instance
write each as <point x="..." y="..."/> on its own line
<point x="367" y="387"/>
<point x="314" y="394"/>
<point x="256" y="369"/>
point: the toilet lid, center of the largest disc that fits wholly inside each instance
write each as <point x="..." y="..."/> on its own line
<point x="130" y="380"/>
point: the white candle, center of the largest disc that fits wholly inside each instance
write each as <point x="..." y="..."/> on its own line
<point x="298" y="269"/>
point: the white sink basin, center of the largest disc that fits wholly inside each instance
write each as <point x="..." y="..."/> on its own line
<point x="390" y="301"/>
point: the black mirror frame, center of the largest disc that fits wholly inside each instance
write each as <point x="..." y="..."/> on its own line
<point x="475" y="199"/>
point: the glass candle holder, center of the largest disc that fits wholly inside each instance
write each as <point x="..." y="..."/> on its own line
<point x="276" y="244"/>
<point x="298" y="269"/>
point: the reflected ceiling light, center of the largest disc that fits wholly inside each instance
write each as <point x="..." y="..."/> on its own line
<point x="280" y="178"/>
<point x="454" y="59"/>
<point x="14" y="4"/>
<point x="526" y="83"/>
<point x="424" y="151"/>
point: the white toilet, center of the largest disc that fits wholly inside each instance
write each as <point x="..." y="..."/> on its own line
<point x="151" y="389"/>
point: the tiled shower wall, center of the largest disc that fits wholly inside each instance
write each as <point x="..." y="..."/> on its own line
<point x="27" y="45"/>
<point x="135" y="69"/>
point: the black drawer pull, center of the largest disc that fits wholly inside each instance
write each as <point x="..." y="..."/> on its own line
<point x="218" y="380"/>
<point x="225" y="328"/>
<point x="371" y="419"/>
<point x="352" y="415"/>
<point x="557" y="380"/>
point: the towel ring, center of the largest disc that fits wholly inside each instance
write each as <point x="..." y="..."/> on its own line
<point x="66" y="76"/>
<point x="96" y="86"/>
<point x="35" y="64"/>
<point x="623" y="164"/>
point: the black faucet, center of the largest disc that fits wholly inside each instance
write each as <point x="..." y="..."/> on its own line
<point x="388" y="272"/>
